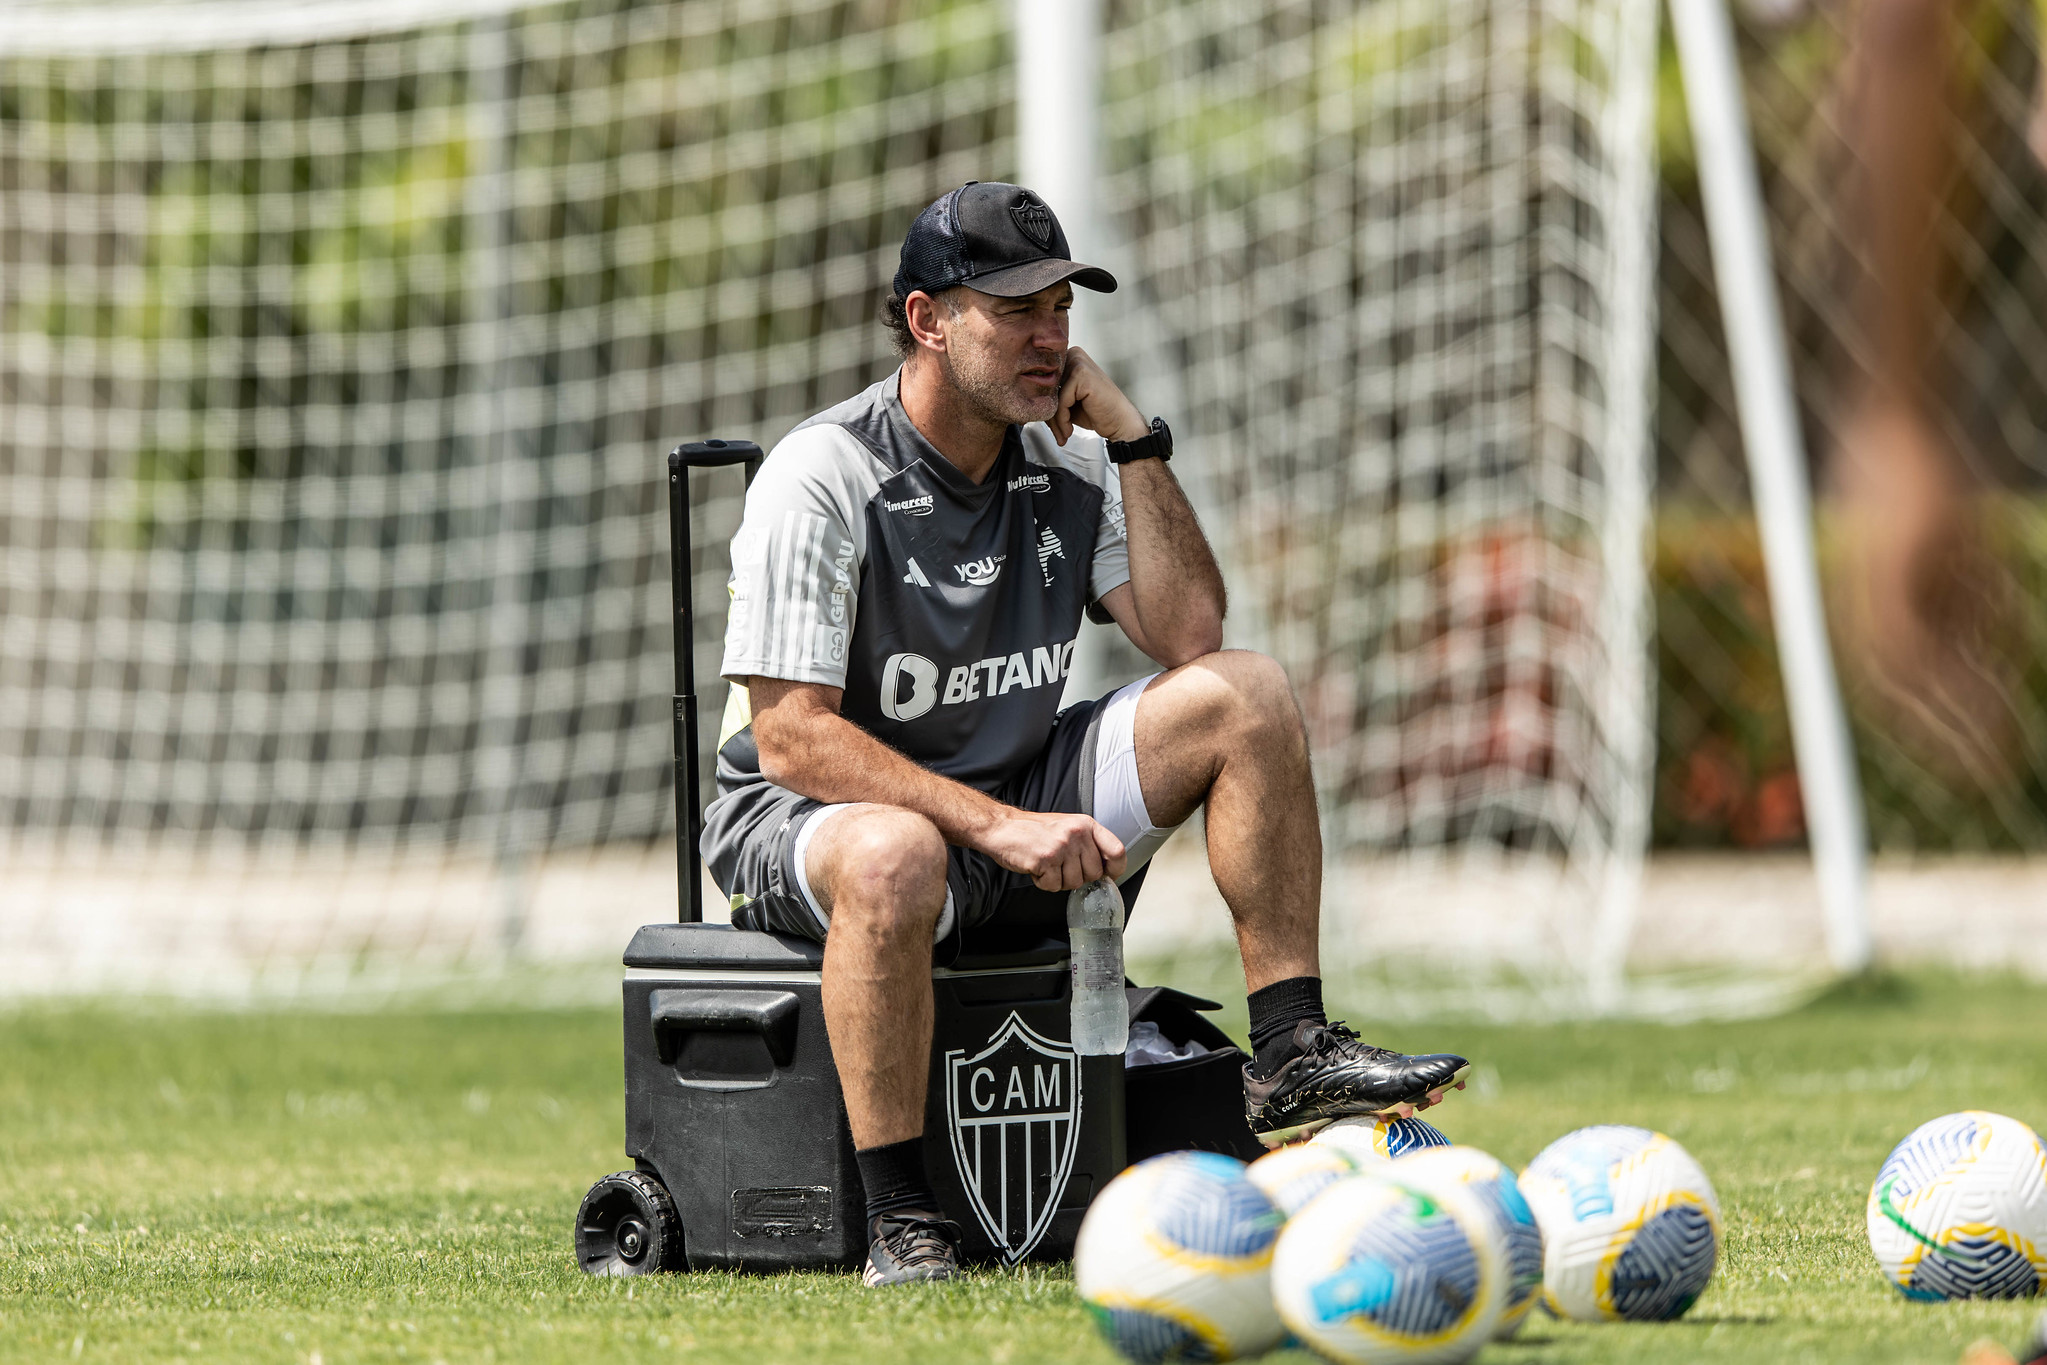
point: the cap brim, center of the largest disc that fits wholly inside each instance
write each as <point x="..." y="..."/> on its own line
<point x="1020" y="281"/>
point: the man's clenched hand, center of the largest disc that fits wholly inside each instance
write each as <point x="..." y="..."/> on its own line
<point x="1057" y="852"/>
<point x="1089" y="398"/>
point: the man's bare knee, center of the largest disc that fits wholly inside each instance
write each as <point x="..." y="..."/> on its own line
<point x="1257" y="678"/>
<point x="1243" y="695"/>
<point x="882" y="866"/>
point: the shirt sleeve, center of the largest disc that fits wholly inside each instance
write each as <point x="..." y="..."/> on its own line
<point x="1112" y="541"/>
<point x="795" y="564"/>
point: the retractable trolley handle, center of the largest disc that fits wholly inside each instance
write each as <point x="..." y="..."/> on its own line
<point x="689" y="817"/>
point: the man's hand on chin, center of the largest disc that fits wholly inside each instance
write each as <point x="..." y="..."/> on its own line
<point x="1058" y="852"/>
<point x="1089" y="398"/>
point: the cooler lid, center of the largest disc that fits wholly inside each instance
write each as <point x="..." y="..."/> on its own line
<point x="720" y="947"/>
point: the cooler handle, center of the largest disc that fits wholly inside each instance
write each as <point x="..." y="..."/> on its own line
<point x="771" y="1014"/>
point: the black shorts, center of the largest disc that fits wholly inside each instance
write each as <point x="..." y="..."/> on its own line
<point x="755" y="838"/>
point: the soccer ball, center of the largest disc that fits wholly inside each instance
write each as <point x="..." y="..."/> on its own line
<point x="1174" y="1261"/>
<point x="1377" y="1270"/>
<point x="1959" y="1210"/>
<point x="1372" y="1138"/>
<point x="1291" y="1176"/>
<point x="1513" y="1221"/>
<point x="1630" y="1224"/>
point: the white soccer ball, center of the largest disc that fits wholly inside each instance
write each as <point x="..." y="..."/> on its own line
<point x="1378" y="1270"/>
<point x="1959" y="1210"/>
<point x="1513" y="1221"/>
<point x="1630" y="1225"/>
<point x="1370" y="1138"/>
<point x="1174" y="1261"/>
<point x="1291" y="1176"/>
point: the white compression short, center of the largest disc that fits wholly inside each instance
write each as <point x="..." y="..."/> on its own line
<point x="1118" y="802"/>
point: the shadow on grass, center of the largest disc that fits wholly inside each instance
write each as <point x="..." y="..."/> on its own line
<point x="1723" y="1320"/>
<point x="1876" y="989"/>
<point x="1533" y="1336"/>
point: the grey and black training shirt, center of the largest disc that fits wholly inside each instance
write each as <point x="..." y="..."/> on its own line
<point x="947" y="610"/>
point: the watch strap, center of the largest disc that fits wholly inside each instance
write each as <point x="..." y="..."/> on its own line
<point x="1157" y="444"/>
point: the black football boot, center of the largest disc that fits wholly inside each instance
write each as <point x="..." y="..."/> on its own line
<point x="1332" y="1075"/>
<point x="911" y="1246"/>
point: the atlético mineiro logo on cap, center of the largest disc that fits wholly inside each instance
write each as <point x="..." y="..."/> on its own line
<point x="1014" y="1112"/>
<point x="1034" y="220"/>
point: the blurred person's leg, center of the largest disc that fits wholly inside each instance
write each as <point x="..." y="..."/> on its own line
<point x="1923" y="594"/>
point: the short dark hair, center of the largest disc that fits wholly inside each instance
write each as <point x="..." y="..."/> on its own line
<point x="895" y="316"/>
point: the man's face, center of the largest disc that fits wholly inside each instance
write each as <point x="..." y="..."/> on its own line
<point x="1007" y="356"/>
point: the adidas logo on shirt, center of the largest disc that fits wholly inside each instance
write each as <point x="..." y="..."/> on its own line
<point x="916" y="574"/>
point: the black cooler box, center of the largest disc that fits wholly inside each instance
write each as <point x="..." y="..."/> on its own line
<point x="732" y="1101"/>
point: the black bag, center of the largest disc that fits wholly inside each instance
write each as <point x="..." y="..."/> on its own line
<point x="1195" y="1103"/>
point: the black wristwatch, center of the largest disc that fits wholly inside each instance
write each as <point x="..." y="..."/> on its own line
<point x="1157" y="446"/>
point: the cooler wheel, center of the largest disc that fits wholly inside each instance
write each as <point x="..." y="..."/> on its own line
<point x="628" y="1226"/>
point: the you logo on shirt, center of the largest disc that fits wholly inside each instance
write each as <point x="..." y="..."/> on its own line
<point x="980" y="572"/>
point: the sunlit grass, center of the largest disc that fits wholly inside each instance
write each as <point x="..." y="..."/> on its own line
<point x="399" y="1187"/>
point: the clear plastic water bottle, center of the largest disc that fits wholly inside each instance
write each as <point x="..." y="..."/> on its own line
<point x="1094" y="927"/>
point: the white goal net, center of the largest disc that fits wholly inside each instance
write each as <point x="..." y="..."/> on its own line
<point x="1400" y="258"/>
<point x="340" y="346"/>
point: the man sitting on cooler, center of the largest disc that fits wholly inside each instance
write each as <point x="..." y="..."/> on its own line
<point x="894" y="769"/>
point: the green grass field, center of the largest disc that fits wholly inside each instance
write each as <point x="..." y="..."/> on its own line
<point x="334" y="1188"/>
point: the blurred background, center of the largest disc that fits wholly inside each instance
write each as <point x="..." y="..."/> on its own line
<point x="340" y="346"/>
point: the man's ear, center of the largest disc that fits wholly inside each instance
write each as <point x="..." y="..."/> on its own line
<point x="923" y="313"/>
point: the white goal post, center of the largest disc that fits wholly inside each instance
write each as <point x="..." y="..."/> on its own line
<point x="1777" y="471"/>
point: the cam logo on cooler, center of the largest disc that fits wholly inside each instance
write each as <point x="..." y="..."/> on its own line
<point x="1014" y="1113"/>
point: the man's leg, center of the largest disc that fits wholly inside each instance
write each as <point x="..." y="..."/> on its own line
<point x="1225" y="731"/>
<point x="879" y="875"/>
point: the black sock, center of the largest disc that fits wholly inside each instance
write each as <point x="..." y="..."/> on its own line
<point x="895" y="1178"/>
<point x="1275" y="1009"/>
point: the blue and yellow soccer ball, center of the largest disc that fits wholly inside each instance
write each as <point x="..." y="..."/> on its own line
<point x="1630" y="1225"/>
<point x="1371" y="1138"/>
<point x="1513" y="1221"/>
<point x="1376" y="1270"/>
<point x="1292" y="1176"/>
<point x="1959" y="1210"/>
<point x="1174" y="1261"/>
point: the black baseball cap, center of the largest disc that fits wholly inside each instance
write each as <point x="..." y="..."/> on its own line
<point x="999" y="239"/>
